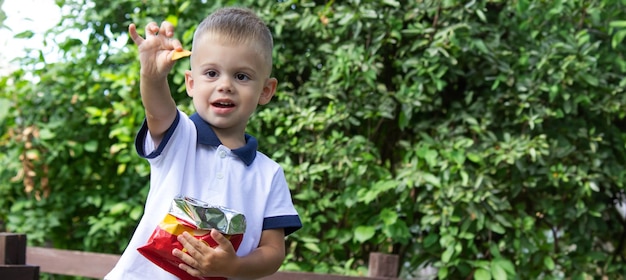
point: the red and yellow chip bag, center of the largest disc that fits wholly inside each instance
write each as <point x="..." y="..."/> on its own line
<point x="197" y="218"/>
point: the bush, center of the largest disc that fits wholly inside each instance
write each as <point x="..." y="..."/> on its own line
<point x="483" y="138"/>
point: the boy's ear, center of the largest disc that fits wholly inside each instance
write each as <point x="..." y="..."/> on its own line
<point x="189" y="83"/>
<point x="268" y="91"/>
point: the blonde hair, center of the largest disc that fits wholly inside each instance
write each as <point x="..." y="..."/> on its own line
<point x="239" y="26"/>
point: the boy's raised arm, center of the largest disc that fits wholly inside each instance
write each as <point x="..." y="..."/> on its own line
<point x="155" y="53"/>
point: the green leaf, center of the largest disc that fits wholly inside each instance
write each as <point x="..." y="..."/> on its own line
<point x="481" y="15"/>
<point x="183" y="7"/>
<point x="494" y="250"/>
<point x="399" y="232"/>
<point x="618" y="37"/>
<point x="388" y="216"/>
<point x="482" y="274"/>
<point x="431" y="179"/>
<point x="502" y="220"/>
<point x="522" y="6"/>
<point x="447" y="254"/>
<point x="548" y="262"/>
<point x="369" y="195"/>
<point x="4" y="109"/>
<point x="46" y="134"/>
<point x="313" y="247"/>
<point x="495" y="227"/>
<point x="618" y="23"/>
<point x="474" y="157"/>
<point x="3" y="17"/>
<point x="24" y="35"/>
<point x="91" y="146"/>
<point x="135" y="214"/>
<point x="442" y="273"/>
<point x="497" y="272"/>
<point x="118" y="208"/>
<point x="172" y="19"/>
<point x="93" y="111"/>
<point x="431" y="157"/>
<point x="121" y="168"/>
<point x="504" y="264"/>
<point x="392" y="3"/>
<point x="364" y="233"/>
<point x="430" y="240"/>
<point x="69" y="44"/>
<point x="590" y="79"/>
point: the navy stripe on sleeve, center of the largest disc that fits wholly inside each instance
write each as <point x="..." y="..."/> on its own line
<point x="290" y="223"/>
<point x="143" y="133"/>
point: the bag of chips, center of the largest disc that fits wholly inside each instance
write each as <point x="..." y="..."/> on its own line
<point x="197" y="218"/>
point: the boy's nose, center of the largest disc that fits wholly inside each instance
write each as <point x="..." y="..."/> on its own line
<point x="225" y="84"/>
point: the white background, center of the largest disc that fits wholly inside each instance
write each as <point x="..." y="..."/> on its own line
<point x="22" y="15"/>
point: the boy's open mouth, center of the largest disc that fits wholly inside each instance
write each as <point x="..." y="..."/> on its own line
<point x="223" y="104"/>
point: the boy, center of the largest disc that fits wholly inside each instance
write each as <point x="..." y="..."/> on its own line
<point x="208" y="156"/>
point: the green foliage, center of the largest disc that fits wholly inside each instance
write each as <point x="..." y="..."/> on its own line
<point x="482" y="138"/>
<point x="3" y="15"/>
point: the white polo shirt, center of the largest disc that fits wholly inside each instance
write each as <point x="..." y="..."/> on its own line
<point x="191" y="161"/>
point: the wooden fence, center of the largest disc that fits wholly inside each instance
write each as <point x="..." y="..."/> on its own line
<point x="19" y="262"/>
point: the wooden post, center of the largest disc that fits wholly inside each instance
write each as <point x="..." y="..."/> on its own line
<point x="12" y="248"/>
<point x="19" y="272"/>
<point x="383" y="265"/>
<point x="13" y="258"/>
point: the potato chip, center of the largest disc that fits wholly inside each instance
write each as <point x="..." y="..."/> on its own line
<point x="180" y="54"/>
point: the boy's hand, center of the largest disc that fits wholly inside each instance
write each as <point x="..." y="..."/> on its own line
<point x="202" y="260"/>
<point x="155" y="51"/>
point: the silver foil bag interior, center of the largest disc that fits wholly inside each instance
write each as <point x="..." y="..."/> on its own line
<point x="206" y="217"/>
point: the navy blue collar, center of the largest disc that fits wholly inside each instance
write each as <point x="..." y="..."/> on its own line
<point x="206" y="136"/>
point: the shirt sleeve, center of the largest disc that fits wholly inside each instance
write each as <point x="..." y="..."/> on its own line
<point x="144" y="143"/>
<point x="280" y="211"/>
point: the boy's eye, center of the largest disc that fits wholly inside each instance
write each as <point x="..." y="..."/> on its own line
<point x="242" y="77"/>
<point x="211" y="73"/>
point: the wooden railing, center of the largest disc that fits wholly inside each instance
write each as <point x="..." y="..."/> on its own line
<point x="19" y="262"/>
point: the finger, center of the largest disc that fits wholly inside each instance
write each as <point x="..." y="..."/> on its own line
<point x="192" y="271"/>
<point x="177" y="45"/>
<point x="167" y="29"/>
<point x="186" y="258"/>
<point x="151" y="29"/>
<point x="187" y="263"/>
<point x="220" y="239"/>
<point x="186" y="240"/>
<point x="194" y="246"/>
<point x="132" y="31"/>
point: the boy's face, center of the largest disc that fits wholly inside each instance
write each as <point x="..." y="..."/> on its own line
<point x="227" y="81"/>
